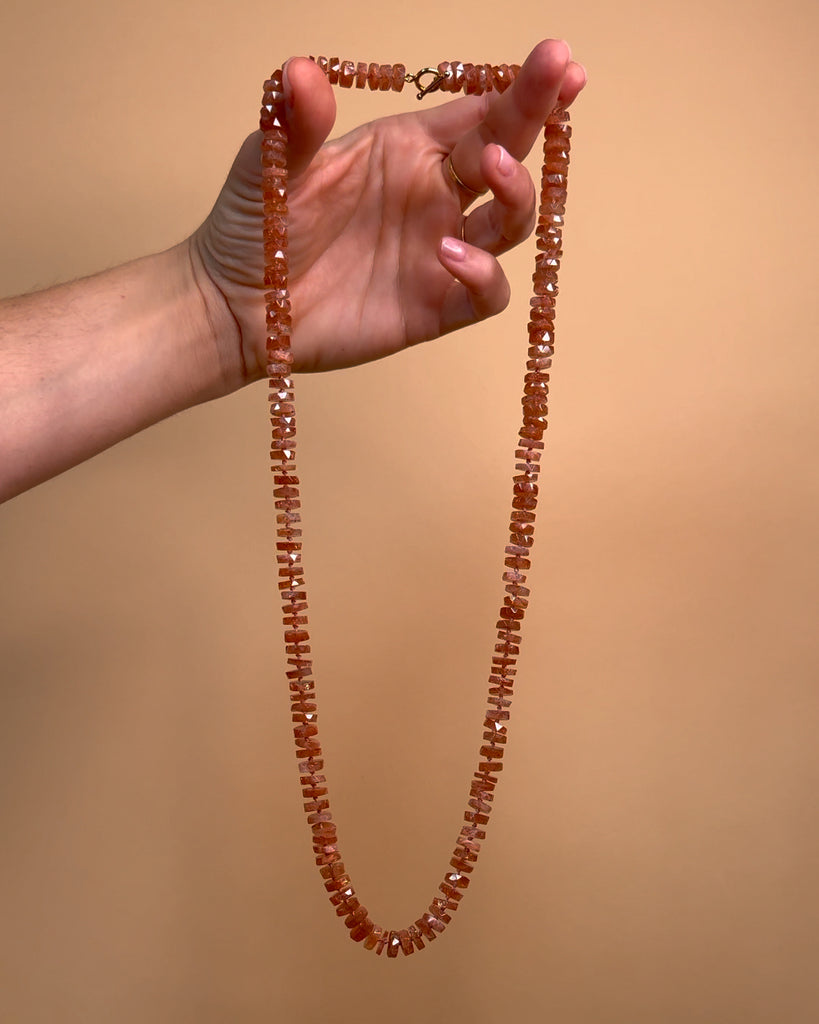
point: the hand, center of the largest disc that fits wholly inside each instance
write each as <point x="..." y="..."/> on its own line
<point x="377" y="260"/>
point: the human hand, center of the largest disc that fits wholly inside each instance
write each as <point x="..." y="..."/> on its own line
<point x="380" y="255"/>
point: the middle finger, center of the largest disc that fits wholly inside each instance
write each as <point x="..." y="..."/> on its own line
<point x="515" y="118"/>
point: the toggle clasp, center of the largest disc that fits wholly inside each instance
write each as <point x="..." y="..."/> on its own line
<point x="433" y="86"/>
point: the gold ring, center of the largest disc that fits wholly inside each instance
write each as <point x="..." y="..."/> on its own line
<point x="462" y="184"/>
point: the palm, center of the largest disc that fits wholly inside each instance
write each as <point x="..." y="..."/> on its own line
<point x="366" y="219"/>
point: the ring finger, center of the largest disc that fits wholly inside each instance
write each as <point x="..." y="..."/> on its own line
<point x="509" y="217"/>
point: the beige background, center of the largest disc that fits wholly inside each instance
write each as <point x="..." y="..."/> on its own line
<point x="654" y="852"/>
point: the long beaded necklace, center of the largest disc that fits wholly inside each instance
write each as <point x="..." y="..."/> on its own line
<point x="448" y="77"/>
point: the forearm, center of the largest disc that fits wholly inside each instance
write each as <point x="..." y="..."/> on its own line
<point x="86" y="364"/>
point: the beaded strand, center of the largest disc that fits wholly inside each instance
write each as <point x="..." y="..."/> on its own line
<point x="450" y="77"/>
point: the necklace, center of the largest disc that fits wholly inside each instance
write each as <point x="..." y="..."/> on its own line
<point x="448" y="77"/>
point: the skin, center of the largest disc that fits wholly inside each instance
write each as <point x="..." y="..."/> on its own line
<point x="376" y="264"/>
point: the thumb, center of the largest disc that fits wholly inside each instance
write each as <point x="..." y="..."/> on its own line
<point x="310" y="108"/>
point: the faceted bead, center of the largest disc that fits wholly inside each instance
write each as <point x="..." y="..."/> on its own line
<point x="325" y="858"/>
<point x="406" y="942"/>
<point x="356" y="917"/>
<point x="481" y="806"/>
<point x="447" y="77"/>
<point x="360" y="75"/>
<point x="346" y="74"/>
<point x="393" y="944"/>
<point x="529" y="430"/>
<point x="502" y="77"/>
<point x="541" y="342"/>
<point x="458" y="76"/>
<point x="371" y="940"/>
<point x="361" y="930"/>
<point x="399" y="77"/>
<point x="334" y="868"/>
<point x="437" y="916"/>
<point x="415" y="935"/>
<point x="453" y="897"/>
<point x="373" y="76"/>
<point x="457" y="879"/>
<point x="524" y="501"/>
<point x="546" y="291"/>
<point x="460" y="863"/>
<point x="535" y="407"/>
<point x="508" y="670"/>
<point x="438" y="908"/>
<point x="552" y="201"/>
<point x="341" y="885"/>
<point x="470" y="832"/>
<point x="385" y="77"/>
<point x="333" y="70"/>
<point x="344" y="903"/>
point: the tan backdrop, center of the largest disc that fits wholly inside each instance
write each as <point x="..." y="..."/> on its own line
<point x="655" y="848"/>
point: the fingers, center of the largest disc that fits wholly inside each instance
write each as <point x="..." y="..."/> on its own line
<point x="480" y="289"/>
<point x="510" y="217"/>
<point x="310" y="109"/>
<point x="515" y="118"/>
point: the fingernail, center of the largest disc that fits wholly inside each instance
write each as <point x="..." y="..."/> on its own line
<point x="453" y="249"/>
<point x="505" y="163"/>
<point x="288" y="88"/>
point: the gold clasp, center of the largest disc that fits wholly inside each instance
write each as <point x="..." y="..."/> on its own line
<point x="433" y="86"/>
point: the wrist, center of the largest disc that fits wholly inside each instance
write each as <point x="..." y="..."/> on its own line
<point x="218" y="354"/>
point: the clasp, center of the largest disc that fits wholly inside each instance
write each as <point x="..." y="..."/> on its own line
<point x="433" y="86"/>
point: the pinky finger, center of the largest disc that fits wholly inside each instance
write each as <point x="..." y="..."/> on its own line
<point x="479" y="288"/>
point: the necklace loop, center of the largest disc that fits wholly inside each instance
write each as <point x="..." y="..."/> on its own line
<point x="451" y="77"/>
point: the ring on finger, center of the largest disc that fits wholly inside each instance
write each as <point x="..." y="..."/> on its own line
<point x="462" y="184"/>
